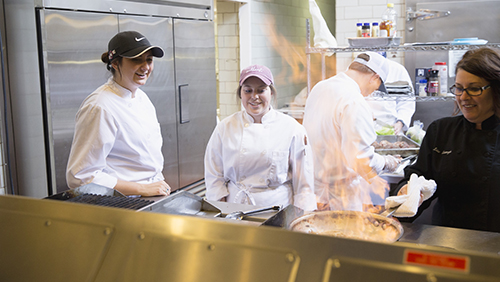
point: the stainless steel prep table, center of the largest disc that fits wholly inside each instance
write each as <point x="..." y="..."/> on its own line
<point x="115" y="244"/>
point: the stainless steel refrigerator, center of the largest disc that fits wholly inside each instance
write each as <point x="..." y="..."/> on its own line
<point x="68" y="38"/>
<point x="443" y="21"/>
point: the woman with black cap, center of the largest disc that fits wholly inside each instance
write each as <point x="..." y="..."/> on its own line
<point x="117" y="141"/>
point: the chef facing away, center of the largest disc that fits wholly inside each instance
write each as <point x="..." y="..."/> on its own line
<point x="340" y="127"/>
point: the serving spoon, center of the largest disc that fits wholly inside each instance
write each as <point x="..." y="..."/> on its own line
<point x="238" y="215"/>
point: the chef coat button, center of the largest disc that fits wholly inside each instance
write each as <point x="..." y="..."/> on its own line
<point x="242" y="178"/>
<point x="243" y="150"/>
<point x="247" y="125"/>
<point x="261" y="180"/>
<point x="263" y="152"/>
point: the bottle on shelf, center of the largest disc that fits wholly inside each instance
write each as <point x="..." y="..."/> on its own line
<point x="433" y="86"/>
<point x="375" y="30"/>
<point x="389" y="21"/>
<point x="359" y="33"/>
<point x="422" y="88"/>
<point x="443" y="77"/>
<point x="365" y="30"/>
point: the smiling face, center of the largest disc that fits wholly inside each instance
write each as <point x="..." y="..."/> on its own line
<point x="256" y="97"/>
<point x="475" y="109"/>
<point x="133" y="73"/>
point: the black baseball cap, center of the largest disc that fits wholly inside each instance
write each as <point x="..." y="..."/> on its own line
<point x="131" y="44"/>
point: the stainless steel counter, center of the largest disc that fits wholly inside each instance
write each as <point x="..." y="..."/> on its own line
<point x="45" y="240"/>
<point x="451" y="238"/>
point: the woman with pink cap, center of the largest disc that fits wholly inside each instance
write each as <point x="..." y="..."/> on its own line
<point x="259" y="156"/>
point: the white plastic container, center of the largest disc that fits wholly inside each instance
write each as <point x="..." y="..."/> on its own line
<point x="443" y="77"/>
<point x="389" y="20"/>
<point x="422" y="88"/>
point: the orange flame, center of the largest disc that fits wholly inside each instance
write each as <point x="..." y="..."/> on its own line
<point x="294" y="58"/>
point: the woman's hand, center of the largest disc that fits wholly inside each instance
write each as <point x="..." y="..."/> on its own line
<point x="404" y="191"/>
<point x="160" y="188"/>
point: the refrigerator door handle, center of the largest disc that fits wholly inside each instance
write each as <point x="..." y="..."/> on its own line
<point x="184" y="103"/>
<point x="424" y="14"/>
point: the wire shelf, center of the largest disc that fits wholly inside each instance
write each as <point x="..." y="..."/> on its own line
<point x="410" y="98"/>
<point x="403" y="48"/>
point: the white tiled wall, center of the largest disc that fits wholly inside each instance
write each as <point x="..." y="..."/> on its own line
<point x="276" y="38"/>
<point x="350" y="12"/>
<point x="228" y="57"/>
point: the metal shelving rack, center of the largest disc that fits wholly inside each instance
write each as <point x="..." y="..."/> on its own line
<point x="400" y="48"/>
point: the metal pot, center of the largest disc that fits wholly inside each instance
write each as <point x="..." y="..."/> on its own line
<point x="349" y="224"/>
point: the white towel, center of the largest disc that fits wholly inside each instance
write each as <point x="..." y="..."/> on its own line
<point x="409" y="202"/>
<point x="323" y="38"/>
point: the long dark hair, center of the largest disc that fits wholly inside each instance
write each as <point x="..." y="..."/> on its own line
<point x="484" y="63"/>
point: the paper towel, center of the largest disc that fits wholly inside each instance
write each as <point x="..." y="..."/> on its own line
<point x="410" y="202"/>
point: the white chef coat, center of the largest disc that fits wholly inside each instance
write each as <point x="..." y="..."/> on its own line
<point x="390" y="111"/>
<point x="268" y="163"/>
<point x="339" y="124"/>
<point x="117" y="136"/>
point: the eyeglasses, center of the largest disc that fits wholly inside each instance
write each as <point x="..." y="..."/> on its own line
<point x="471" y="91"/>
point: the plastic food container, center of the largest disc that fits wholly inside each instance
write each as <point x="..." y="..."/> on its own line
<point x="373" y="41"/>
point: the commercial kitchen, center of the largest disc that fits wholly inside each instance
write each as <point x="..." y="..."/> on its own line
<point x="50" y="62"/>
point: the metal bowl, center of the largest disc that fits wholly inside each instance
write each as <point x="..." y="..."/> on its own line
<point x="350" y="224"/>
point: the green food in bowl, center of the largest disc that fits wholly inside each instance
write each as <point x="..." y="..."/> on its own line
<point x="385" y="131"/>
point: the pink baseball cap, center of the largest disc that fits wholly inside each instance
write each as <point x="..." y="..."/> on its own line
<point x="262" y="72"/>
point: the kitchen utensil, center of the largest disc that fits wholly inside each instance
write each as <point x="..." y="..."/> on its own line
<point x="404" y="163"/>
<point x="350" y="224"/>
<point x="389" y="212"/>
<point x="238" y="215"/>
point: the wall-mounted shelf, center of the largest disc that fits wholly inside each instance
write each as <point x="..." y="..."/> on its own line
<point x="410" y="98"/>
<point x="401" y="48"/>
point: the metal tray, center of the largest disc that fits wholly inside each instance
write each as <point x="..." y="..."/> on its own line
<point x="373" y="41"/>
<point x="185" y="203"/>
<point x="403" y="152"/>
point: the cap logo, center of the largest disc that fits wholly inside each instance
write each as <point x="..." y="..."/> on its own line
<point x="139" y="39"/>
<point x="254" y="69"/>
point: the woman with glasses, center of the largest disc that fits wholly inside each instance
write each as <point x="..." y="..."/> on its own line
<point x="462" y="153"/>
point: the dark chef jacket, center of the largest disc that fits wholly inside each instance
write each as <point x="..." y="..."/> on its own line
<point x="465" y="163"/>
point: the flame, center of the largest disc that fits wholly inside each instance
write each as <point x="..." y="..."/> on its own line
<point x="294" y="58"/>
